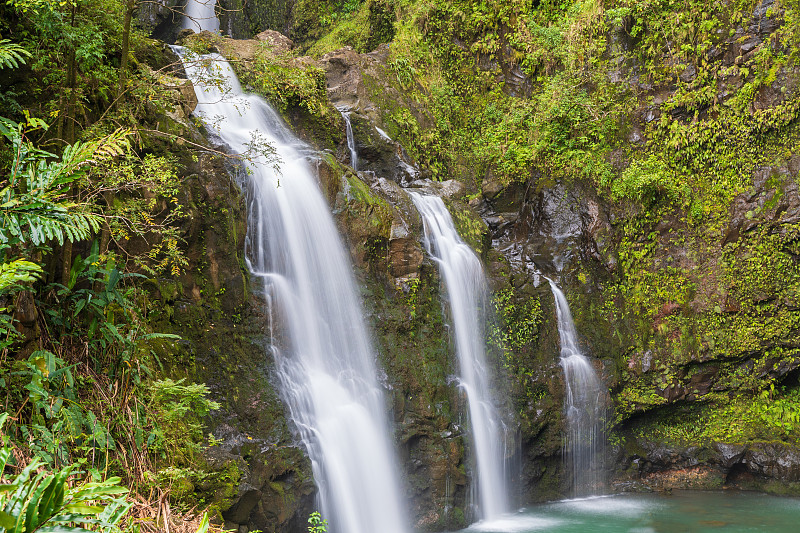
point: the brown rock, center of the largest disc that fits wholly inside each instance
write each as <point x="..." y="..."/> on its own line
<point x="405" y="253"/>
<point x="244" y="50"/>
<point x="278" y="41"/>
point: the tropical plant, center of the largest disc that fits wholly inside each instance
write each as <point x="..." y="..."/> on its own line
<point x="35" y="206"/>
<point x="316" y="524"/>
<point x="96" y="306"/>
<point x="48" y="503"/>
<point x="12" y="55"/>
<point x="14" y="274"/>
<point x="178" y="409"/>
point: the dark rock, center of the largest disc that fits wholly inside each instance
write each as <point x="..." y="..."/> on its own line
<point x="405" y="253"/>
<point x="773" y="460"/>
<point x="242" y="19"/>
<point x="161" y="18"/>
<point x="774" y="200"/>
<point x="239" y="513"/>
<point x="688" y="74"/>
<point x="730" y="454"/>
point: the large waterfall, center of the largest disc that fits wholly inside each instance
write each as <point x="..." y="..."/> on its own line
<point x="468" y="294"/>
<point x="584" y="406"/>
<point x="320" y="344"/>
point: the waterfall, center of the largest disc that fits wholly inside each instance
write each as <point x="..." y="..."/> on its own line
<point x="320" y="345"/>
<point x="468" y="294"/>
<point x="199" y="15"/>
<point x="584" y="406"/>
<point x="351" y="141"/>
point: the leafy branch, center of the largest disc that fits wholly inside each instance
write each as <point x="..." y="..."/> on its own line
<point x="34" y="201"/>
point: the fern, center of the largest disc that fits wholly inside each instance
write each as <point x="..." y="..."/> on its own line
<point x="13" y="274"/>
<point x="12" y="55"/>
<point x="34" y="204"/>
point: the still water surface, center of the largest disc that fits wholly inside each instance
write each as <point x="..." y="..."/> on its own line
<point x="680" y="512"/>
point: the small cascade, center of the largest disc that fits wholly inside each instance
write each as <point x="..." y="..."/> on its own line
<point x="584" y="406"/>
<point x="351" y="141"/>
<point x="200" y="15"/>
<point x="320" y="344"/>
<point x="468" y="295"/>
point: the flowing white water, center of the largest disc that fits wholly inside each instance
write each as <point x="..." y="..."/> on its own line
<point x="351" y="141"/>
<point x="320" y="345"/>
<point x="468" y="294"/>
<point x="584" y="406"/>
<point x="199" y="15"/>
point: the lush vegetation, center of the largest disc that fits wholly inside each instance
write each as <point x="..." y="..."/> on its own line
<point x="90" y="210"/>
<point x="666" y="111"/>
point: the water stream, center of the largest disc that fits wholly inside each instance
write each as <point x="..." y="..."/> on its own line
<point x="584" y="406"/>
<point x="320" y="343"/>
<point x="351" y="141"/>
<point x="200" y="15"/>
<point x="468" y="294"/>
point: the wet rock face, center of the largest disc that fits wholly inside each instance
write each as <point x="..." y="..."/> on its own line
<point x="772" y="467"/>
<point x="551" y="229"/>
<point x="161" y="18"/>
<point x="383" y="231"/>
<point x="241" y="19"/>
<point x="774" y="200"/>
<point x="432" y="453"/>
<point x="274" y="492"/>
<point x="347" y="73"/>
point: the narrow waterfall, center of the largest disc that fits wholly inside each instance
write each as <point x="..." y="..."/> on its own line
<point x="199" y="15"/>
<point x="351" y="141"/>
<point x="584" y="406"/>
<point x="468" y="294"/>
<point x="319" y="343"/>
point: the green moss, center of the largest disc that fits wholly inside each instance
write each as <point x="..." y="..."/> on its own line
<point x="286" y="83"/>
<point x="469" y="225"/>
<point x="634" y="103"/>
<point x="740" y="419"/>
<point x="364" y="207"/>
<point x="352" y="31"/>
<point x="458" y="517"/>
<point x="519" y="321"/>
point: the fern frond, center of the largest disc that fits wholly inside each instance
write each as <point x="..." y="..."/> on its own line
<point x="46" y="221"/>
<point x="33" y="204"/>
<point x="12" y="55"/>
<point x="76" y="157"/>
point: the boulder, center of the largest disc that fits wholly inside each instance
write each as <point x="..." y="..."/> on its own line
<point x="275" y="40"/>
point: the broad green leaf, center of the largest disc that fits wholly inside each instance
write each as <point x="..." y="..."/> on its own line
<point x="61" y="529"/>
<point x="77" y="519"/>
<point x="6" y="520"/>
<point x="114" y="511"/>
<point x="203" y="524"/>
<point x="98" y="493"/>
<point x="5" y="453"/>
<point x="83" y="509"/>
<point x="32" y="514"/>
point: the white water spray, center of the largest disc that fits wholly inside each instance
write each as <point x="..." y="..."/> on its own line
<point x="321" y="349"/>
<point x="468" y="294"/>
<point x="584" y="406"/>
<point x="199" y="15"/>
